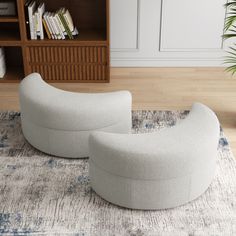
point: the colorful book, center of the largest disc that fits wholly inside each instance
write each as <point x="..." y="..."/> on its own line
<point x="45" y="16"/>
<point x="67" y="29"/>
<point x="50" y="20"/>
<point x="60" y="25"/>
<point x="46" y="28"/>
<point x="57" y="25"/>
<point x="69" y="20"/>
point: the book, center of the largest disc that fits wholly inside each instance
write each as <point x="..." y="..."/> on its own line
<point x="45" y="16"/>
<point x="60" y="34"/>
<point x="31" y="10"/>
<point x="60" y="25"/>
<point x="68" y="20"/>
<point x="54" y="29"/>
<point x="56" y="25"/>
<point x="27" y="18"/>
<point x="41" y="10"/>
<point x="50" y="20"/>
<point x="35" y="24"/>
<point x="67" y="29"/>
<point x="70" y="23"/>
<point x="46" y="28"/>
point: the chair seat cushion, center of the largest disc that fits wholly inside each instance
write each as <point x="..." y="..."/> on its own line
<point x="59" y="122"/>
<point x="156" y="170"/>
<point x="169" y="153"/>
<point x="54" y="108"/>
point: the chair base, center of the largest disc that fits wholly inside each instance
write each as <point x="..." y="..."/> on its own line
<point x="149" y="194"/>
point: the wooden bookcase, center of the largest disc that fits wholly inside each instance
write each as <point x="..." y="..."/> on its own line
<point x="83" y="59"/>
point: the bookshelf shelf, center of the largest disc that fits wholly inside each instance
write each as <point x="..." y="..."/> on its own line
<point x="85" y="37"/>
<point x="10" y="36"/>
<point x="9" y="19"/>
<point x="14" y="74"/>
<point x="14" y="64"/>
<point x="82" y="59"/>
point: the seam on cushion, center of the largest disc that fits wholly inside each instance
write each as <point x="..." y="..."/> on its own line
<point x="97" y="129"/>
<point x="125" y="177"/>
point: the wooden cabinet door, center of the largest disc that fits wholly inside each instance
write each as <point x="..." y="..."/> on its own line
<point x="69" y="63"/>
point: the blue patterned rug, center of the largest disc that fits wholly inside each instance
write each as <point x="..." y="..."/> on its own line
<point x="44" y="195"/>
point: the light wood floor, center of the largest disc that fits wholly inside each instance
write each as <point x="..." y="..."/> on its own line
<point x="161" y="89"/>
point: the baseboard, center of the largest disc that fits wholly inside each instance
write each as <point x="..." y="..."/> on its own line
<point x="167" y="62"/>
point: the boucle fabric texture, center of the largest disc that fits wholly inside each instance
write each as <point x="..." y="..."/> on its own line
<point x="156" y="170"/>
<point x="59" y="122"/>
<point x="44" y="195"/>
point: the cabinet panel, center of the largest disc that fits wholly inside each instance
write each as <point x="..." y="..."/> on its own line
<point x="190" y="25"/>
<point x="69" y="63"/>
<point x="72" y="72"/>
<point x="66" y="54"/>
<point x="124" y="24"/>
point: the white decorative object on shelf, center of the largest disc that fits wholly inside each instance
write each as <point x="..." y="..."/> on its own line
<point x="2" y="63"/>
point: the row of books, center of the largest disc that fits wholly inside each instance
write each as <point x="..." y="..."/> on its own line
<point x="55" y="25"/>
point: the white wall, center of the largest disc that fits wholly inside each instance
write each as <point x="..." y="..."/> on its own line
<point x="167" y="32"/>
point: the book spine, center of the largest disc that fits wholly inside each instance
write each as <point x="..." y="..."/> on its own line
<point x="36" y="27"/>
<point x="53" y="26"/>
<point x="48" y="24"/>
<point x="27" y="18"/>
<point x="41" y="10"/>
<point x="61" y="26"/>
<point x="56" y="27"/>
<point x="68" y="20"/>
<point x="58" y="21"/>
<point x="31" y="9"/>
<point x="46" y="28"/>
<point x="65" y="26"/>
<point x="34" y="18"/>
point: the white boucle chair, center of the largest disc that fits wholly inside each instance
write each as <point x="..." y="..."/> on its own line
<point x="156" y="170"/>
<point x="59" y="122"/>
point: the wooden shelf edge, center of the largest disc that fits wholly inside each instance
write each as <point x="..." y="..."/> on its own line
<point x="85" y="37"/>
<point x="13" y="75"/>
<point x="76" y="81"/>
<point x="12" y="43"/>
<point x="65" y="43"/>
<point x="9" y="19"/>
<point x="56" y="81"/>
<point x="2" y="81"/>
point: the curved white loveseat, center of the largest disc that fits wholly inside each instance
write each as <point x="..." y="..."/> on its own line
<point x="59" y="122"/>
<point x="157" y="170"/>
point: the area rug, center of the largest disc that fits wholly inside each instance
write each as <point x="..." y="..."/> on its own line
<point x="44" y="195"/>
